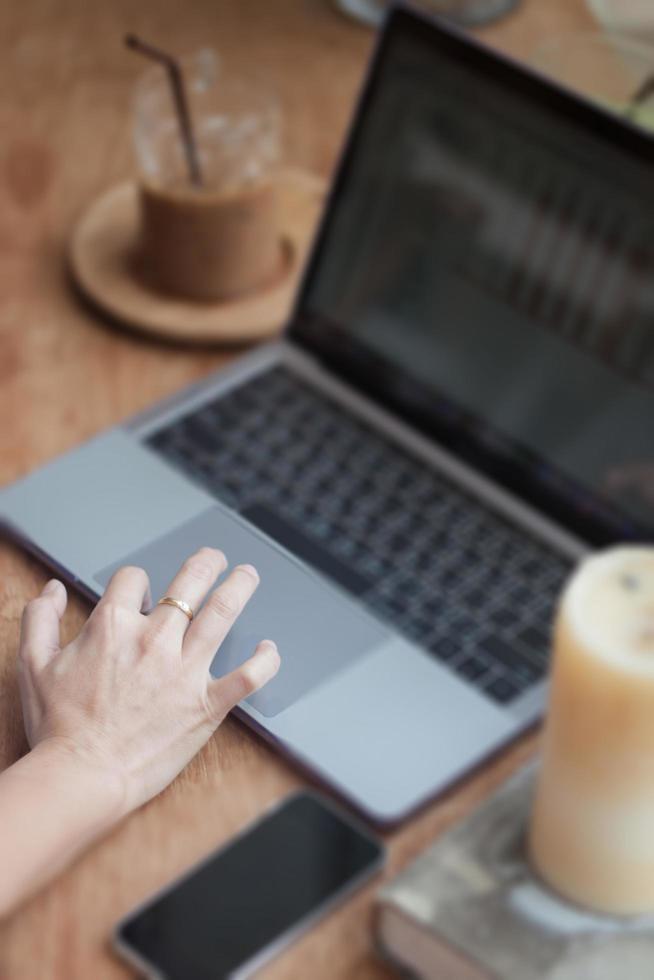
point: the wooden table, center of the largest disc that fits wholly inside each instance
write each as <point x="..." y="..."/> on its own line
<point x="65" y="375"/>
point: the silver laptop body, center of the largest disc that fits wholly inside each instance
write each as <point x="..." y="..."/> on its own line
<point x="360" y="701"/>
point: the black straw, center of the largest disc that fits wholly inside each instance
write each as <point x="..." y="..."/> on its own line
<point x="181" y="102"/>
<point x="641" y="95"/>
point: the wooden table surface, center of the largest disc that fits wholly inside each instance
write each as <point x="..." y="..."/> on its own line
<point x="65" y="375"/>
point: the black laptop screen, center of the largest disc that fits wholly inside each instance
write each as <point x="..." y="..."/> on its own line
<point x="487" y="269"/>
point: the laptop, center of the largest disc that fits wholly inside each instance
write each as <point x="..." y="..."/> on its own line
<point x="459" y="408"/>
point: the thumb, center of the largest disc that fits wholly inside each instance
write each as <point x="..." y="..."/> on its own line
<point x="39" y="639"/>
<point x="226" y="692"/>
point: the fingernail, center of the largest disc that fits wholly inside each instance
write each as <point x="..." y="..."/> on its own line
<point x="219" y="554"/>
<point x="250" y="570"/>
<point x="52" y="586"/>
<point x="271" y="663"/>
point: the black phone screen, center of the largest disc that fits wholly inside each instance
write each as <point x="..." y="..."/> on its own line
<point x="237" y="903"/>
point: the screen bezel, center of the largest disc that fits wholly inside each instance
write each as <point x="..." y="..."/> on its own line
<point x="132" y="953"/>
<point x="360" y="366"/>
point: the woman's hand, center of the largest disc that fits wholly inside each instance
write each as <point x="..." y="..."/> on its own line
<point x="131" y="698"/>
<point x="114" y="716"/>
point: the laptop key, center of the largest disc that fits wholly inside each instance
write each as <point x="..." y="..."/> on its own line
<point x="446" y="648"/>
<point x="535" y="640"/>
<point x="503" y="616"/>
<point x="472" y="668"/>
<point x="476" y="598"/>
<point x="434" y="606"/>
<point x="502" y="690"/>
<point x="502" y="653"/>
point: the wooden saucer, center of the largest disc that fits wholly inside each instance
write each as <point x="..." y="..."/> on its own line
<point x="102" y="262"/>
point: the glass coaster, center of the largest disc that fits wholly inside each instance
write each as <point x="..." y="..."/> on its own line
<point x="466" y="13"/>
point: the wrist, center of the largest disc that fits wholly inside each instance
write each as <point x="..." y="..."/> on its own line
<point x="101" y="786"/>
<point x="55" y="804"/>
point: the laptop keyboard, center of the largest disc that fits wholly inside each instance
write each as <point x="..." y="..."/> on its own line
<point x="434" y="562"/>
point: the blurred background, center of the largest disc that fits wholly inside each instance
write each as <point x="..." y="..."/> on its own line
<point x="64" y="112"/>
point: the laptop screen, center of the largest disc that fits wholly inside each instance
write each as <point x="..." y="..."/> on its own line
<point x="486" y="269"/>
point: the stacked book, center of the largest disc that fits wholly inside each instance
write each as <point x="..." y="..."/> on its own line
<point x="470" y="908"/>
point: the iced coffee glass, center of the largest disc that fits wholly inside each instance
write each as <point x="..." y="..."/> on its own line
<point x="215" y="237"/>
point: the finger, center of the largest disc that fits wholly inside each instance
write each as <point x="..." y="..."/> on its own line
<point x="191" y="584"/>
<point x="30" y="699"/>
<point x="39" y="638"/>
<point x="222" y="608"/>
<point x="226" y="692"/>
<point x="128" y="587"/>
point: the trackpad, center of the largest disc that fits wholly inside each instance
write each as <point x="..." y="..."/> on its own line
<point x="318" y="631"/>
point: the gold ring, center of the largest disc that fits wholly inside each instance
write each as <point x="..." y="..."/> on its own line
<point x="169" y="600"/>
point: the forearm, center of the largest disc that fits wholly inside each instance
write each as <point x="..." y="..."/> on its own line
<point x="52" y="806"/>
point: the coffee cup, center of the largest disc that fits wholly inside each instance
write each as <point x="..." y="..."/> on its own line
<point x="211" y="235"/>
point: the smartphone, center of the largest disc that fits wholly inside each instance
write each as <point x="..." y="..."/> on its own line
<point x="242" y="905"/>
